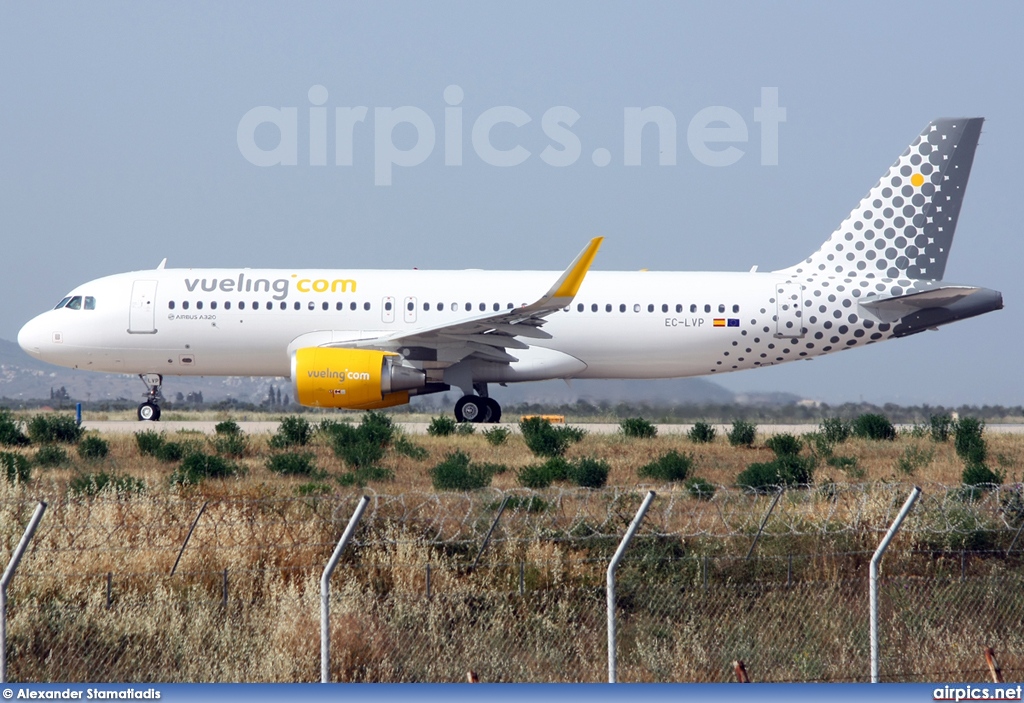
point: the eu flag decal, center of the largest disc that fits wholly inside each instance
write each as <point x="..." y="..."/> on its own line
<point x="719" y="322"/>
<point x="733" y="322"/>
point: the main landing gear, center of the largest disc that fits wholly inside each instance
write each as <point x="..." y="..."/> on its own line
<point x="150" y="410"/>
<point x="477" y="408"/>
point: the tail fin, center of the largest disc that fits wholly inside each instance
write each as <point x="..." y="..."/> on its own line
<point x="903" y="228"/>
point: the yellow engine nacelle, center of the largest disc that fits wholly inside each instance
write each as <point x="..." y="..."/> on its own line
<point x="358" y="379"/>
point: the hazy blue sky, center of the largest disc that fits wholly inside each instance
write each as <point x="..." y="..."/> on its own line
<point x="120" y="146"/>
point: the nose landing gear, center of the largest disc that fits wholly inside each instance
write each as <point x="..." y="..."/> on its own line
<point x="150" y="410"/>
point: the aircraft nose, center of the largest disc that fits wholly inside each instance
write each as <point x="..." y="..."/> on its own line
<point x="33" y="336"/>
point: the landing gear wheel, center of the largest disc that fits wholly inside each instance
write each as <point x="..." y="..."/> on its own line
<point x="495" y="410"/>
<point x="472" y="408"/>
<point x="149" y="411"/>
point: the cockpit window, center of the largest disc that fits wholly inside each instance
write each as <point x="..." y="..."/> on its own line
<point x="90" y="302"/>
<point x="62" y="303"/>
<point x="75" y="303"/>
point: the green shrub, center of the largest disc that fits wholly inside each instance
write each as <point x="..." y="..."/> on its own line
<point x="93" y="447"/>
<point x="848" y="465"/>
<point x="93" y="484"/>
<point x="313" y="489"/>
<point x="50" y="455"/>
<point x="819" y="444"/>
<point x="672" y="466"/>
<point x="969" y="442"/>
<point x="543" y="439"/>
<point x="54" y="428"/>
<point x="465" y="429"/>
<point x="701" y="433"/>
<point x="529" y="504"/>
<point x="456" y="473"/>
<point x="292" y="464"/>
<point x="355" y="448"/>
<point x="11" y="434"/>
<point x="149" y="442"/>
<point x="15" y="467"/>
<point x="638" y="427"/>
<point x="589" y="473"/>
<point x="197" y="466"/>
<point x="228" y="428"/>
<point x="293" y="431"/>
<point x="912" y="459"/>
<point x="534" y="476"/>
<point x="363" y="475"/>
<point x="497" y="436"/>
<point x="784" y="444"/>
<point x="786" y="470"/>
<point x="742" y="434"/>
<point x="874" y="426"/>
<point x="572" y="433"/>
<point x="231" y="444"/>
<point x="441" y="426"/>
<point x="835" y="430"/>
<point x="410" y="449"/>
<point x="700" y="488"/>
<point x="173" y="451"/>
<point x="941" y="426"/>
<point x="378" y="428"/>
<point x="980" y="475"/>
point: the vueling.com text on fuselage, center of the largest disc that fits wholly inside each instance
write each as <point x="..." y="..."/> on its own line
<point x="280" y="286"/>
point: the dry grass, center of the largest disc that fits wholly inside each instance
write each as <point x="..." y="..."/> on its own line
<point x="273" y="545"/>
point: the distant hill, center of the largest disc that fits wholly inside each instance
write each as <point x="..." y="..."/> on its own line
<point x="25" y="378"/>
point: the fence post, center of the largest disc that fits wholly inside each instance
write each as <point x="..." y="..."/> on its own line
<point x="325" y="592"/>
<point x="487" y="537"/>
<point x="188" y="537"/>
<point x="12" y="565"/>
<point x="873" y="587"/>
<point x="611" y="580"/>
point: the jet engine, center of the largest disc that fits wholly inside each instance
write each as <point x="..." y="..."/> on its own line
<point x="357" y="379"/>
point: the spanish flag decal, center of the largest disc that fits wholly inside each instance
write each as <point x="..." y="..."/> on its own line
<point x="719" y="322"/>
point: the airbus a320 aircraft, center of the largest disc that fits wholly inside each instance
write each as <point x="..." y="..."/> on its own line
<point x="372" y="339"/>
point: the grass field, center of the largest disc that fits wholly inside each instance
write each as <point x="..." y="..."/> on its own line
<point x="533" y="610"/>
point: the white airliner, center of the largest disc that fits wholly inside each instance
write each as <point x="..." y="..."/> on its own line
<point x="371" y="339"/>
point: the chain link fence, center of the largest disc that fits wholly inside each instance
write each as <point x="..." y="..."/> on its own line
<point x="94" y="599"/>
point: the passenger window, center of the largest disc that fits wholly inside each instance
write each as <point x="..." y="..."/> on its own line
<point x="366" y="306"/>
<point x="170" y="305"/>
<point x="579" y="308"/>
<point x="469" y="306"/>
<point x="298" y="305"/>
<point x="608" y="307"/>
<point x="593" y="308"/>
<point x="256" y="305"/>
<point x="75" y="303"/>
<point x="199" y="305"/>
<point x="184" y="305"/>
<point x="679" y="307"/>
<point x="227" y="305"/>
<point x="636" y="307"/>
<point x="483" y="307"/>
<point x="241" y="304"/>
<point x="338" y="306"/>
<point x="509" y="306"/>
<point x="622" y="307"/>
<point x="721" y="307"/>
<point x="707" y="308"/>
<point x="213" y="305"/>
<point x="735" y="308"/>
<point x="387" y="305"/>
<point x="64" y="301"/>
<point x="352" y="306"/>
<point x="90" y="302"/>
<point x="410" y="306"/>
<point x="284" y="305"/>
<point x="312" y="305"/>
<point x="497" y="307"/>
<point x="324" y="306"/>
<point x="426" y="307"/>
<point x="664" y="307"/>
<point x="693" y="307"/>
<point x="650" y="308"/>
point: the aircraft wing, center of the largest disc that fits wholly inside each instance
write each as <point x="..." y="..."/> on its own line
<point x="489" y="335"/>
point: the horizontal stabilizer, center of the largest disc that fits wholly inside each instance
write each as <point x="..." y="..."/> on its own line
<point x="894" y="307"/>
